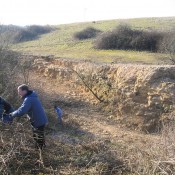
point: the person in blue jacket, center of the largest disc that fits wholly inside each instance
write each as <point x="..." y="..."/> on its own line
<point x="33" y="108"/>
<point x="59" y="114"/>
<point x="5" y="109"/>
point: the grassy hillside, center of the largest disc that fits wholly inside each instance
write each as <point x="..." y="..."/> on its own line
<point x="62" y="44"/>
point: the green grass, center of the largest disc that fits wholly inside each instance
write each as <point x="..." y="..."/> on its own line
<point x="62" y="44"/>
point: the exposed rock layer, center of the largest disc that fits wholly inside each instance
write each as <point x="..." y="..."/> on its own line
<point x="140" y="96"/>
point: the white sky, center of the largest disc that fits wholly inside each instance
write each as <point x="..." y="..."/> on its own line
<point x="27" y="12"/>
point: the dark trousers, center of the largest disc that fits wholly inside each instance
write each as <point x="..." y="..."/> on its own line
<point x="39" y="137"/>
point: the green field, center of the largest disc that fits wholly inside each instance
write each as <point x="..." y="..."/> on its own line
<point x="62" y="44"/>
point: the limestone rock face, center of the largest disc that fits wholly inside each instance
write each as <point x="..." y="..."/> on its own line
<point x="140" y="96"/>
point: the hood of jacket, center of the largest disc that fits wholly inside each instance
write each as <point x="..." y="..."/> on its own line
<point x="30" y="94"/>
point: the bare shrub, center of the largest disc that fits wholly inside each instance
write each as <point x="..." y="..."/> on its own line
<point x="24" y="35"/>
<point x="126" y="38"/>
<point x="8" y="74"/>
<point x="40" y="29"/>
<point x="25" y="67"/>
<point x="156" y="159"/>
<point x="11" y="143"/>
<point x="17" y="155"/>
<point x="87" y="33"/>
<point x="167" y="45"/>
<point x="166" y="164"/>
<point x="31" y="32"/>
<point x="16" y="34"/>
<point x="13" y="70"/>
<point x="62" y="156"/>
<point x="7" y="34"/>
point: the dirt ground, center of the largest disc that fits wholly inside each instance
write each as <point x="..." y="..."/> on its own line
<point x="85" y="122"/>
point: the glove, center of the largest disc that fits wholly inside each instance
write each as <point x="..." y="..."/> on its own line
<point x="7" y="118"/>
<point x="10" y="115"/>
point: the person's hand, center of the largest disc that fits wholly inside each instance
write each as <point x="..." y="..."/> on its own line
<point x="10" y="114"/>
<point x="8" y="119"/>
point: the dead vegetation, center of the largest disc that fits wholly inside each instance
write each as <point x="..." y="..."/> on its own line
<point x="62" y="155"/>
<point x="88" y="144"/>
<point x="91" y="142"/>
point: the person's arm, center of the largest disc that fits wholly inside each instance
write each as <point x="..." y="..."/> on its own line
<point x="25" y="107"/>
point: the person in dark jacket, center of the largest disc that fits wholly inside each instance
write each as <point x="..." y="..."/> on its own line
<point x="5" y="109"/>
<point x="33" y="108"/>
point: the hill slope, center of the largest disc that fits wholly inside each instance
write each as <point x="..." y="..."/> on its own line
<point x="62" y="44"/>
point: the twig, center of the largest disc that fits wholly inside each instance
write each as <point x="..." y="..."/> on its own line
<point x="86" y="85"/>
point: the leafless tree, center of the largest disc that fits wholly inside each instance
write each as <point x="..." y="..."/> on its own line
<point x="25" y="67"/>
<point x="168" y="46"/>
<point x="8" y="68"/>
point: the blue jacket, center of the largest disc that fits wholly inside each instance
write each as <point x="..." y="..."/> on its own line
<point x="59" y="112"/>
<point x="33" y="107"/>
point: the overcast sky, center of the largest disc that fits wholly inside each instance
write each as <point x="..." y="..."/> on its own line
<point x="27" y="12"/>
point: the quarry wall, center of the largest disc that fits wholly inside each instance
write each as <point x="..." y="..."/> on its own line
<point x="140" y="96"/>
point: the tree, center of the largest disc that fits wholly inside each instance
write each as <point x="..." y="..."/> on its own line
<point x="8" y="68"/>
<point x="168" y="46"/>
